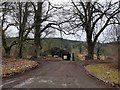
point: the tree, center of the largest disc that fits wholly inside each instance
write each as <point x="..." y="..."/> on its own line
<point x="42" y="21"/>
<point x="22" y="19"/>
<point x="6" y="9"/>
<point x="28" y="17"/>
<point x="37" y="22"/>
<point x="89" y="15"/>
<point x="22" y="15"/>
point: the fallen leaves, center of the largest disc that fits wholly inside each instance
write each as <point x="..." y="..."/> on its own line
<point x="17" y="66"/>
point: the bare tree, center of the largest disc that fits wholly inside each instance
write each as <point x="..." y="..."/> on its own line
<point x="20" y="14"/>
<point x="89" y="15"/>
<point x="22" y="19"/>
<point x="29" y="17"/>
<point x="42" y="21"/>
<point x="6" y="9"/>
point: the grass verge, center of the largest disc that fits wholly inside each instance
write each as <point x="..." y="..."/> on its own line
<point x="104" y="72"/>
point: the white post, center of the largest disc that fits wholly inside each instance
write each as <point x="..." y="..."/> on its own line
<point x="71" y="57"/>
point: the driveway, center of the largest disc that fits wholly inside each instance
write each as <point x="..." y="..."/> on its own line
<point x="55" y="74"/>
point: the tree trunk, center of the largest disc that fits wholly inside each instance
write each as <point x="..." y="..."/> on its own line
<point x="90" y="49"/>
<point x="4" y="44"/>
<point x="20" y="45"/>
<point x="90" y="45"/>
<point x="20" y="50"/>
<point x="7" y="51"/>
<point x="89" y="32"/>
<point x="37" y="36"/>
<point x="98" y="53"/>
<point x="22" y="25"/>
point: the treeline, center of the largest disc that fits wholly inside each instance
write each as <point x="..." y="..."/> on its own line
<point x="42" y="18"/>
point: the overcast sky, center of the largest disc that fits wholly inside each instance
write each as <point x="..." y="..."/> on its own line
<point x="71" y="37"/>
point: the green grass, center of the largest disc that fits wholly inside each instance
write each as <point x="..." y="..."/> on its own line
<point x="104" y="72"/>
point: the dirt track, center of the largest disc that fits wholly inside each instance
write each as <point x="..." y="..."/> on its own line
<point x="55" y="74"/>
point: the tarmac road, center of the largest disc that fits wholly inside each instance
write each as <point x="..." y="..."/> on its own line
<point x="55" y="74"/>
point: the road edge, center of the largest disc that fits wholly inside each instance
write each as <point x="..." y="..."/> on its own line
<point x="101" y="79"/>
<point x="23" y="71"/>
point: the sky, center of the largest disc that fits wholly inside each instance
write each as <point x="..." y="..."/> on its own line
<point x="57" y="35"/>
<point x="83" y="35"/>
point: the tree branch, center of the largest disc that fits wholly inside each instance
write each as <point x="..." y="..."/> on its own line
<point x="105" y="25"/>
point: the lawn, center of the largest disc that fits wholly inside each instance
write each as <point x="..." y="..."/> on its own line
<point x="104" y="72"/>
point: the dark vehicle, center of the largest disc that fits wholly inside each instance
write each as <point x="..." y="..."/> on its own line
<point x="64" y="54"/>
